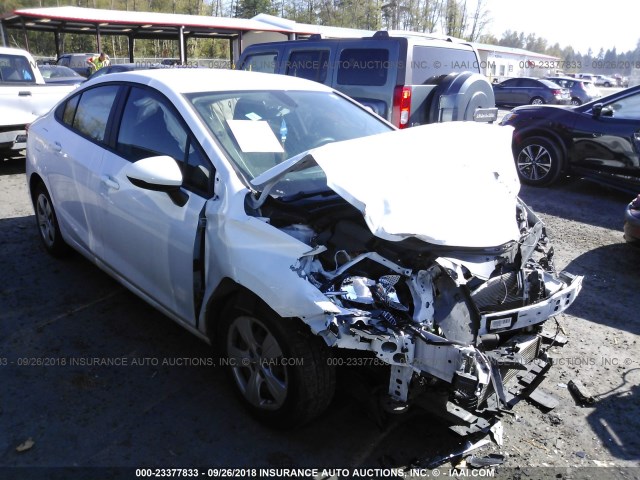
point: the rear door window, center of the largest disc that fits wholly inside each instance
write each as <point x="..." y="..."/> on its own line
<point x="93" y="110"/>
<point x="363" y="66"/>
<point x="309" y="64"/>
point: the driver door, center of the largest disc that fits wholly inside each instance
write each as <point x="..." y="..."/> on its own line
<point x="148" y="238"/>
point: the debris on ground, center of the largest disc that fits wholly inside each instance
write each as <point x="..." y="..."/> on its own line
<point x="491" y="460"/>
<point x="580" y="392"/>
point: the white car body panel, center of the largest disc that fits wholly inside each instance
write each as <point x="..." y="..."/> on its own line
<point x="396" y="196"/>
<point x="449" y="235"/>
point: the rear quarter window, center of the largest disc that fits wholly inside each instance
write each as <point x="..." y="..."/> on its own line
<point x="431" y="61"/>
<point x="363" y="66"/>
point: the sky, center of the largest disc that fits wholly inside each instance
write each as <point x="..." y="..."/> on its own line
<point x="581" y="24"/>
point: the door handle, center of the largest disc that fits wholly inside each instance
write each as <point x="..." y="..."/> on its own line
<point x="110" y="182"/>
<point x="24" y="93"/>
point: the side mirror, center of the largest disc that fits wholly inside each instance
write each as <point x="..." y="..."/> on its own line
<point x="596" y="110"/>
<point x="599" y="110"/>
<point x="160" y="174"/>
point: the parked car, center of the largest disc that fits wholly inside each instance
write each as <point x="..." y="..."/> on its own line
<point x="124" y="67"/>
<point x="278" y="219"/>
<point x="24" y="96"/>
<point x="57" y="74"/>
<point x="621" y="81"/>
<point x="404" y="79"/>
<point x="605" y="81"/>
<point x="533" y="91"/>
<point x="632" y="222"/>
<point x="77" y="62"/>
<point x="581" y="90"/>
<point x="600" y="138"/>
<point x="586" y="76"/>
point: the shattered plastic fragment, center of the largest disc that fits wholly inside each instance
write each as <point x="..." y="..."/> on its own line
<point x="26" y="445"/>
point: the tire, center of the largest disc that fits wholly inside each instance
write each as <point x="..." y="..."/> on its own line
<point x="538" y="161"/>
<point x="279" y="394"/>
<point x="607" y="84"/>
<point x="47" y="222"/>
<point x="575" y="101"/>
<point x="537" y="101"/>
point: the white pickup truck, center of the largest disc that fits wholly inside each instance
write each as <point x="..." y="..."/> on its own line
<point x="23" y="98"/>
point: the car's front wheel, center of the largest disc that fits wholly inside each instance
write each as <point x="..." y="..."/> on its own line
<point x="47" y="222"/>
<point x="539" y="162"/>
<point x="282" y="372"/>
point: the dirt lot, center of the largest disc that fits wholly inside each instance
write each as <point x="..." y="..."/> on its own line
<point x="168" y="416"/>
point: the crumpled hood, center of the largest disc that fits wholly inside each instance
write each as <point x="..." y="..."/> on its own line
<point x="452" y="183"/>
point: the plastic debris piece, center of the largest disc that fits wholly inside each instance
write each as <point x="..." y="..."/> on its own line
<point x="26" y="445"/>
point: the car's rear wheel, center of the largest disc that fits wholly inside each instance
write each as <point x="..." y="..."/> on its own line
<point x="281" y="371"/>
<point x="537" y="101"/>
<point x="47" y="222"/>
<point x="539" y="161"/>
<point x="575" y="101"/>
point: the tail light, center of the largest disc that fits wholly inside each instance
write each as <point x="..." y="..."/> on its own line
<point x="401" y="110"/>
<point x="556" y="92"/>
<point x="26" y="127"/>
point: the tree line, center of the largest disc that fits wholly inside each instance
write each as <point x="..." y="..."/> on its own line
<point x="459" y="18"/>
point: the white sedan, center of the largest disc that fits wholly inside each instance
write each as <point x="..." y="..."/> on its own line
<point x="297" y="231"/>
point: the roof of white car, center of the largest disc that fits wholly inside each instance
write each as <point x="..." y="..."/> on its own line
<point x="187" y="80"/>
<point x="12" y="51"/>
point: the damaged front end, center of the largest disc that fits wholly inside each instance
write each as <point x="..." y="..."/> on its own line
<point x="455" y="320"/>
<point x="470" y="319"/>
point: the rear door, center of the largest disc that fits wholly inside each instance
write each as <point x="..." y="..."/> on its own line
<point x="75" y="156"/>
<point x="148" y="239"/>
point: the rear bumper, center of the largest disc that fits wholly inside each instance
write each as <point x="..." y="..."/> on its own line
<point x="12" y="139"/>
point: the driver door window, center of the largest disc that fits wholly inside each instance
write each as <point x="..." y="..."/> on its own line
<point x="150" y="127"/>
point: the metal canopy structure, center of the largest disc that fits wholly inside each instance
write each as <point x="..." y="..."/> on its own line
<point x="133" y="25"/>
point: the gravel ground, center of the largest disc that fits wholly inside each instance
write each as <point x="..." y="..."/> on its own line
<point x="181" y="417"/>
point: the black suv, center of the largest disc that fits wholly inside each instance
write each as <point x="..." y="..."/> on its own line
<point x="409" y="80"/>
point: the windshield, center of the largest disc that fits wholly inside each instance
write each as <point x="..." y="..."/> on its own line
<point x="260" y="129"/>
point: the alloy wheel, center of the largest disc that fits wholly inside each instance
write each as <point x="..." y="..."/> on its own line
<point x="46" y="221"/>
<point x="257" y="367"/>
<point x="534" y="162"/>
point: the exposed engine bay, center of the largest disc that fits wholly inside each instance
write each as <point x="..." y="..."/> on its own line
<point x="466" y="318"/>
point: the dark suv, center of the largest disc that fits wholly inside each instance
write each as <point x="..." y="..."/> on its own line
<point x="76" y="62"/>
<point x="409" y="80"/>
